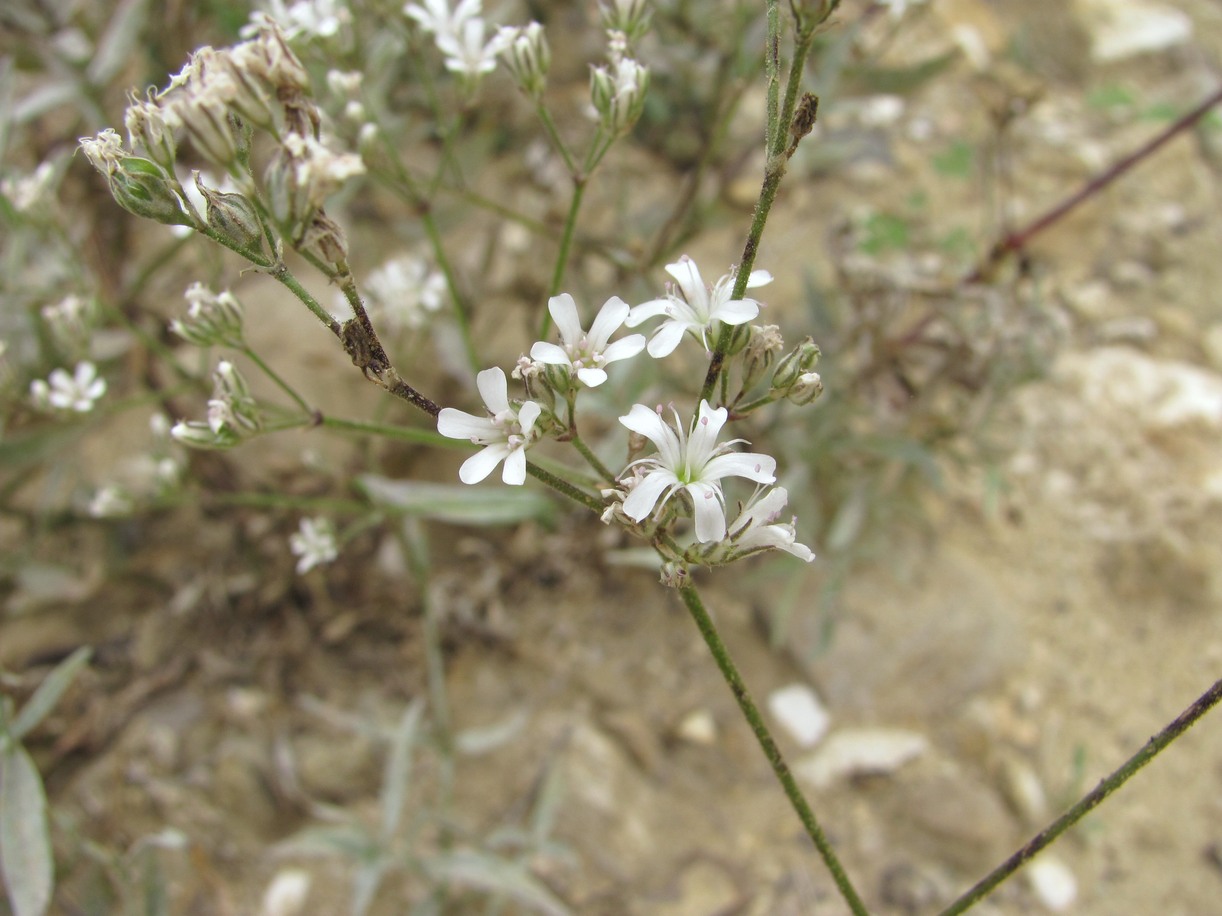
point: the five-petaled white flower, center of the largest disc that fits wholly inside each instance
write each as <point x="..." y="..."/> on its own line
<point x="692" y="463"/>
<point x="700" y="308"/>
<point x="506" y="433"/>
<point x="61" y="391"/>
<point x="314" y="543"/>
<point x="756" y="527"/>
<point x="587" y="354"/>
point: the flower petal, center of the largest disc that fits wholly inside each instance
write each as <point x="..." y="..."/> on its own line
<point x="624" y="348"/>
<point x="646" y="310"/>
<point x="591" y="378"/>
<point x="736" y="311"/>
<point x="644" y="496"/>
<point x="758" y="278"/>
<point x="482" y="463"/>
<point x="515" y="468"/>
<point x="564" y="312"/>
<point x="458" y="424"/>
<point x="751" y="465"/>
<point x="528" y="413"/>
<point x="550" y="353"/>
<point x="607" y="322"/>
<point x="666" y="339"/>
<point x="709" y="513"/>
<point x="493" y="389"/>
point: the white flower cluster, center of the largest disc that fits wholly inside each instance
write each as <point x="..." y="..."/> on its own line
<point x="683" y="478"/>
<point x="75" y="393"/>
<point x="233" y="414"/>
<point x="460" y="35"/>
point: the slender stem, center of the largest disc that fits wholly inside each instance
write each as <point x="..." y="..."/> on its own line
<point x="386" y="431"/>
<point x="1019" y="239"/>
<point x="281" y="273"/>
<point x="562" y="255"/>
<point x="461" y="309"/>
<point x="549" y="126"/>
<point x="1113" y="782"/>
<point x="579" y="444"/>
<point x="275" y="377"/>
<point x="564" y="487"/>
<point x="750" y="711"/>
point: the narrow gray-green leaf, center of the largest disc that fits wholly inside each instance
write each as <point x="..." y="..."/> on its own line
<point x="458" y="504"/>
<point x="25" y="846"/>
<point x="365" y="886"/>
<point x="49" y="692"/>
<point x="125" y="28"/>
<point x="399" y="769"/>
<point x="479" y="871"/>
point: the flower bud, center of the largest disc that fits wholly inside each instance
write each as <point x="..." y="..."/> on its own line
<point x="234" y="217"/>
<point x="631" y="17"/>
<point x="801" y="358"/>
<point x="104" y="151"/>
<point x="619" y="98"/>
<point x="152" y="126"/>
<point x="760" y="353"/>
<point x="212" y="318"/>
<point x="527" y="56"/>
<point x="194" y="434"/>
<point x="806" y="389"/>
<point x="325" y="239"/>
<point x="142" y="187"/>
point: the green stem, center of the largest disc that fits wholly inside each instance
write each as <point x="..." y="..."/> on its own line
<point x="1113" y="782"/>
<point x="386" y="431"/>
<point x="281" y="273"/>
<point x="779" y="121"/>
<point x="554" y="136"/>
<point x="462" y="311"/>
<point x="275" y="377"/>
<point x="750" y="711"/>
<point x="562" y="256"/>
<point x="564" y="487"/>
<point x="589" y="456"/>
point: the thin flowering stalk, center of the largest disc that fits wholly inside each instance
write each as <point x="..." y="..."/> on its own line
<point x="776" y="136"/>
<point x="751" y="712"/>
<point x="603" y="471"/>
<point x="277" y="379"/>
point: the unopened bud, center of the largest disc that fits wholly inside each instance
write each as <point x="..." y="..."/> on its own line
<point x="527" y="56"/>
<point x="629" y="17"/>
<point x="142" y="187"/>
<point x="152" y="126"/>
<point x="760" y="353"/>
<point x="619" y="98"/>
<point x="212" y="318"/>
<point x="807" y="387"/>
<point x="325" y="239"/>
<point x="234" y="217"/>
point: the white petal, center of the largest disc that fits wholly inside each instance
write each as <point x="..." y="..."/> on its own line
<point x="493" y="389"/>
<point x="457" y="424"/>
<point x="704" y="434"/>
<point x="751" y="465"/>
<point x="710" y="514"/>
<point x="550" y="353"/>
<point x="646" y="310"/>
<point x="688" y="276"/>
<point x="624" y="348"/>
<point x="736" y="311"/>
<point x="644" y="496"/>
<point x="528" y="413"/>
<point x="607" y="322"/>
<point x="666" y="339"/>
<point x="758" y="278"/>
<point x="591" y="378"/>
<point x="640" y="419"/>
<point x="564" y="312"/>
<point x="481" y="464"/>
<point x="515" y="468"/>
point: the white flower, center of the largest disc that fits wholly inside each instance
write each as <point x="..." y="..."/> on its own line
<point x="26" y="192"/>
<point x="756" y="527"/>
<point x="313" y="18"/>
<point x="110" y="502"/>
<point x="436" y="17"/>
<point x="77" y="392"/>
<point x="404" y="291"/>
<point x="693" y="464"/>
<point x="897" y="8"/>
<point x="506" y="433"/>
<point x="700" y="308"/>
<point x="587" y="354"/>
<point x="314" y="543"/>
<point x="467" y="53"/>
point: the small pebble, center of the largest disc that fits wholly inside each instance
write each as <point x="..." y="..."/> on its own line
<point x="798" y="710"/>
<point x="1053" y="883"/>
<point x="860" y="751"/>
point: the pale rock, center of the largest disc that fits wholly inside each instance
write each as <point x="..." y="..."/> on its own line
<point x="1120" y="29"/>
<point x="858" y="752"/>
<point x="286" y="895"/>
<point x="799" y="711"/>
<point x="1158" y="394"/>
<point x="698" y="727"/>
<point x="1053" y="883"/>
<point x="1212" y="342"/>
<point x="1024" y="791"/>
